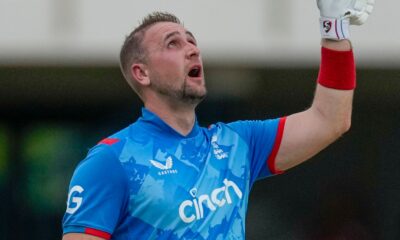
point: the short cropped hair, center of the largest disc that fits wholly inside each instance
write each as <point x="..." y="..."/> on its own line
<point x="132" y="50"/>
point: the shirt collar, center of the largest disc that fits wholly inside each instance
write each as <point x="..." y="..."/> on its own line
<point x="153" y="121"/>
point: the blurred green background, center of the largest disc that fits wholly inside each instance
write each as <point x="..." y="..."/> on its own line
<point x="51" y="116"/>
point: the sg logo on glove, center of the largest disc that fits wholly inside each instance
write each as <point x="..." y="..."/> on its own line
<point x="327" y="26"/>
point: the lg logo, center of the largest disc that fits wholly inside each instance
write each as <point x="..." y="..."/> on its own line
<point x="74" y="203"/>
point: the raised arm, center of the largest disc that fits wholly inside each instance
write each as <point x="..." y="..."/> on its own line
<point x="308" y="132"/>
<point x="329" y="117"/>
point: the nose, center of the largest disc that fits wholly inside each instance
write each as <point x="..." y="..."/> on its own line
<point x="192" y="51"/>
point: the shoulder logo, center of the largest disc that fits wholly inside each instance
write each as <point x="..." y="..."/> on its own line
<point x="74" y="202"/>
<point x="166" y="168"/>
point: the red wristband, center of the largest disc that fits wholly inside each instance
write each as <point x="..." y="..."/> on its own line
<point x="337" y="69"/>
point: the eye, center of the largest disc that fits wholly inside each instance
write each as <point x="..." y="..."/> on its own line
<point x="172" y="43"/>
<point x="192" y="42"/>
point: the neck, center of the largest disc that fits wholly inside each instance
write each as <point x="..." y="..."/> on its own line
<point x="178" y="116"/>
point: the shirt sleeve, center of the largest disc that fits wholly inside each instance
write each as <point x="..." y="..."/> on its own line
<point x="97" y="195"/>
<point x="263" y="139"/>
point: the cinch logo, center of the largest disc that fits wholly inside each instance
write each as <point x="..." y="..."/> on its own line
<point x="218" y="152"/>
<point x="191" y="210"/>
<point x="76" y="200"/>
<point x="165" y="167"/>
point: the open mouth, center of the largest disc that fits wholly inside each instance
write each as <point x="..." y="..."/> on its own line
<point x="195" y="72"/>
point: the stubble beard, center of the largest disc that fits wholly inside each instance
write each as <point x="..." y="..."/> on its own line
<point x="184" y="94"/>
<point x="191" y="95"/>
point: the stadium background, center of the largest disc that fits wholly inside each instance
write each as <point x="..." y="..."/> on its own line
<point x="61" y="92"/>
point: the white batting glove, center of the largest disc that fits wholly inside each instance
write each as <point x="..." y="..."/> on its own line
<point x="337" y="15"/>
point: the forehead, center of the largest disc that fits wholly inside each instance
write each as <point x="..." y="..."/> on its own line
<point x="159" y="31"/>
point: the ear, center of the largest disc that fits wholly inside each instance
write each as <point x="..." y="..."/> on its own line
<point x="140" y="74"/>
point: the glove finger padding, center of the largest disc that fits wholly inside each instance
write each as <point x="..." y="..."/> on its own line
<point x="359" y="14"/>
<point x="334" y="8"/>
